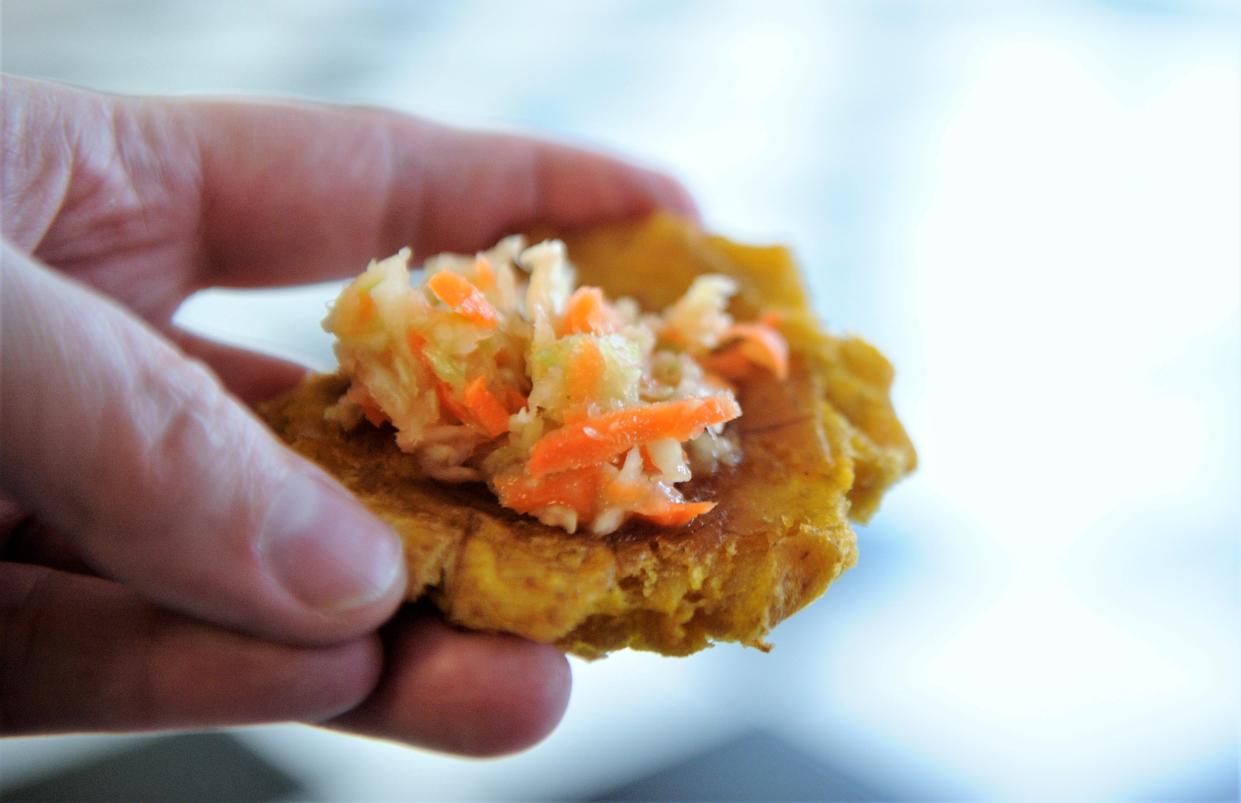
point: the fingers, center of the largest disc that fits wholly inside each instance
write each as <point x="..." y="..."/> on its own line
<point x="24" y="540"/>
<point x="469" y="693"/>
<point x="11" y="515"/>
<point x="250" y="376"/>
<point x="481" y="186"/>
<point x="83" y="654"/>
<point x="28" y="541"/>
<point x="167" y="483"/>
<point x="298" y="193"/>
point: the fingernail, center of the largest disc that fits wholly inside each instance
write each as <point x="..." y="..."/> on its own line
<point x="325" y="549"/>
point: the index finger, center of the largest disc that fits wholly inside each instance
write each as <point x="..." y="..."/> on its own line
<point x="298" y="193"/>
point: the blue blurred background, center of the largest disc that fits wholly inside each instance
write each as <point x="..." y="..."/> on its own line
<point x="1033" y="207"/>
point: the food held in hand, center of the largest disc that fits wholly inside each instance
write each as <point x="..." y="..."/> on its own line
<point x="634" y="436"/>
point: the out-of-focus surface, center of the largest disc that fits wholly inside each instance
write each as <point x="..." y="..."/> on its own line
<point x="1033" y="209"/>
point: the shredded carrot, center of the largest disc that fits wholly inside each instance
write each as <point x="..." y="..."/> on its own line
<point x="485" y="275"/>
<point x="772" y="317"/>
<point x="762" y="345"/>
<point x="465" y="299"/>
<point x="480" y="407"/>
<point x="418" y="345"/>
<point x="354" y="310"/>
<point x="485" y="408"/>
<point x="416" y="342"/>
<point x="595" y="440"/>
<point x="448" y="401"/>
<point x="648" y="465"/>
<point x="372" y="411"/>
<point x="656" y="502"/>
<point x="514" y="400"/>
<point x="366" y="307"/>
<point x="584" y="373"/>
<point x="587" y="313"/>
<point x="676" y="514"/>
<point x="576" y="489"/>
<point x="729" y="362"/>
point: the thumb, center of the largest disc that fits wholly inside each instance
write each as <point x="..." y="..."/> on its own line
<point x="166" y="483"/>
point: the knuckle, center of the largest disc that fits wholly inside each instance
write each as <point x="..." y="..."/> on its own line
<point x="195" y="447"/>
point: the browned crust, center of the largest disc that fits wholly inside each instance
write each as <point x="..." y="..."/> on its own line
<point x="818" y="449"/>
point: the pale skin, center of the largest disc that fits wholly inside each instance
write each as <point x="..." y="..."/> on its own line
<point x="164" y="561"/>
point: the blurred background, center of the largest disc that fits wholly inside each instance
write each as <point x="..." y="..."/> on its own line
<point x="1034" y="208"/>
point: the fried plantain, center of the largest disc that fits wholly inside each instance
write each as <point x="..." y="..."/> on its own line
<point x="819" y="448"/>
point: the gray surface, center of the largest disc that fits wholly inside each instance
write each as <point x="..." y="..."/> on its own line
<point x="190" y="767"/>
<point x="754" y="766"/>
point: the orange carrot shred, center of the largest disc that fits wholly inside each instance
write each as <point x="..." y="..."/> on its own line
<point x="485" y="408"/>
<point x="372" y="412"/>
<point x="366" y="307"/>
<point x="449" y="403"/>
<point x="729" y="362"/>
<point x="443" y="391"/>
<point x="514" y="400"/>
<point x="417" y="345"/>
<point x="762" y="345"/>
<point x="677" y="513"/>
<point x="654" y="501"/>
<point x="486" y="275"/>
<point x="584" y="374"/>
<point x="648" y="464"/>
<point x="594" y="440"/>
<point x="576" y="489"/>
<point x="465" y="299"/>
<point x="587" y="313"/>
<point x="772" y="318"/>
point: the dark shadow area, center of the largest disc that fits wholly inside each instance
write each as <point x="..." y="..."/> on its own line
<point x="190" y="767"/>
<point x="755" y="766"/>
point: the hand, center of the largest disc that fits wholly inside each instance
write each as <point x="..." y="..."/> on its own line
<point x="166" y="561"/>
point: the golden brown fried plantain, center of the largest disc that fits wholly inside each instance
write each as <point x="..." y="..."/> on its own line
<point x="818" y="449"/>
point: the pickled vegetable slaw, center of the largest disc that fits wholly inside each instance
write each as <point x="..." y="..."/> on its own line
<point x="574" y="409"/>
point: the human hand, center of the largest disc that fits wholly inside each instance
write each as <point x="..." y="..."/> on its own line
<point x="166" y="562"/>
